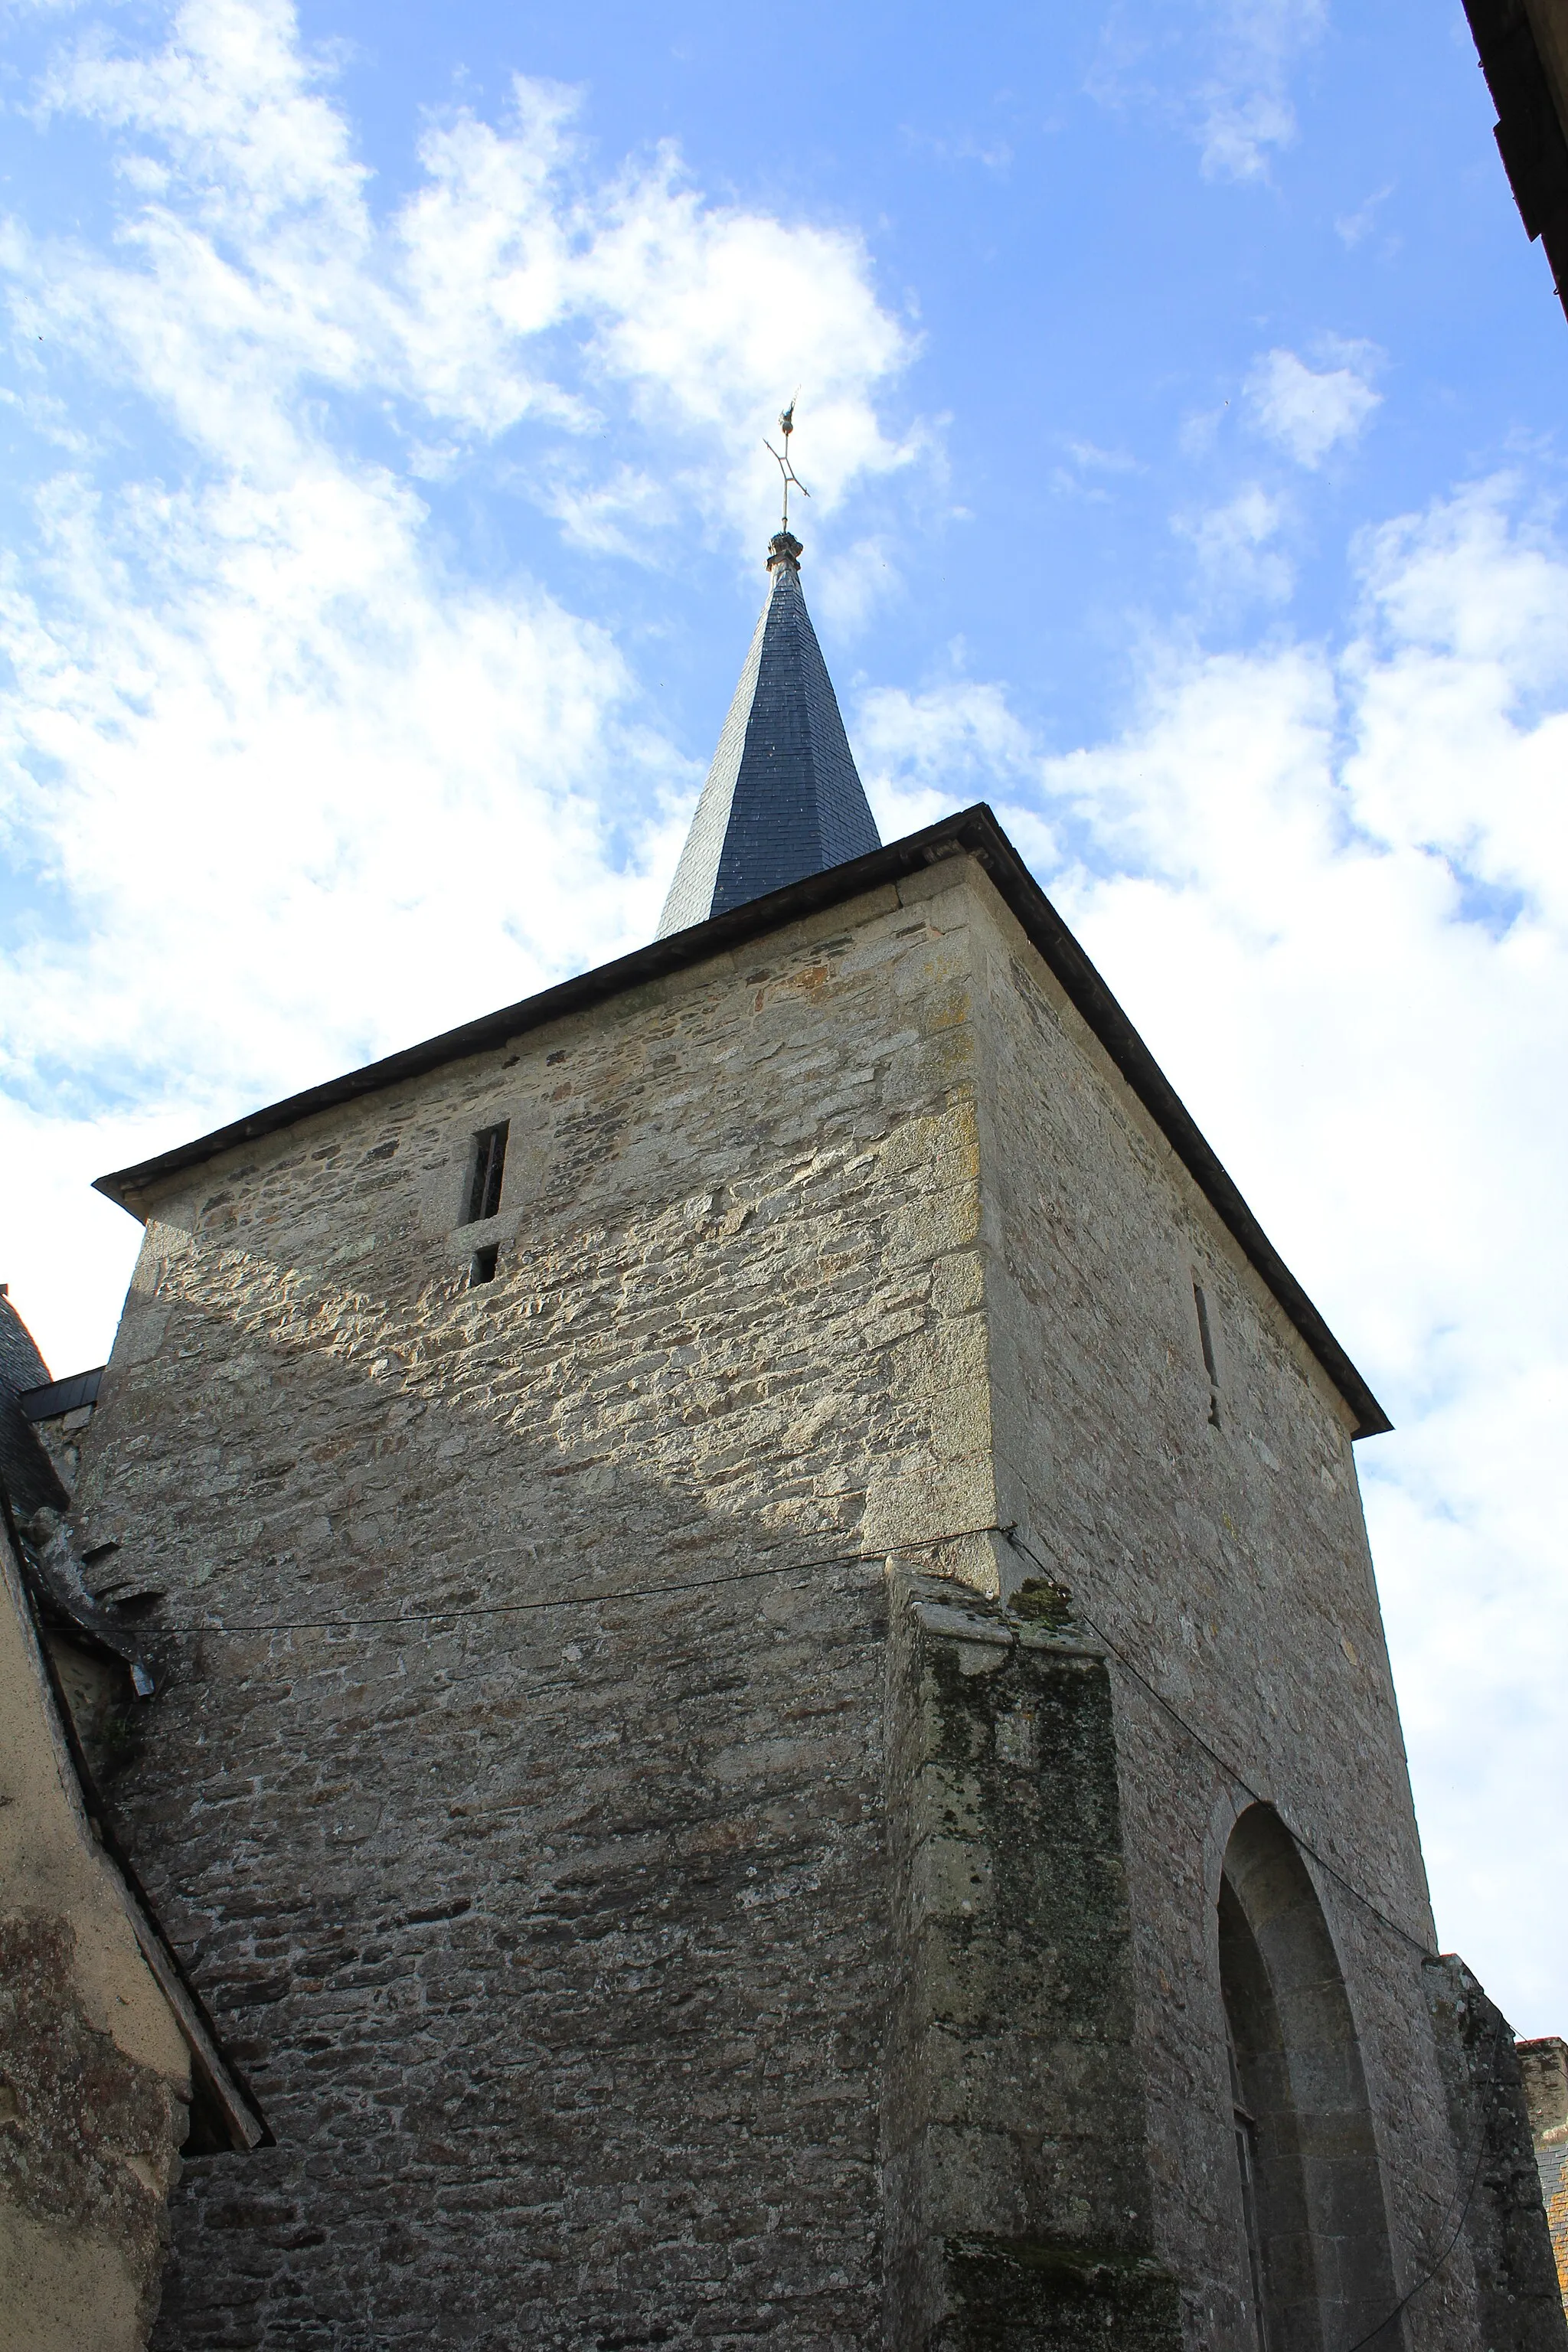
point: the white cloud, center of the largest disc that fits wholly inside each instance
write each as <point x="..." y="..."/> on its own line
<point x="510" y="284"/>
<point x="1088" y="464"/>
<point x="1096" y="460"/>
<point x="1332" y="890"/>
<point x="991" y="152"/>
<point x="1309" y="412"/>
<point x="1243" y="103"/>
<point x="1238" y="561"/>
<point x="1354" y="228"/>
<point x="847" y="588"/>
<point x="627" y="512"/>
<point x="923" y="755"/>
<point x="1223" y="68"/>
<point x="286" y="789"/>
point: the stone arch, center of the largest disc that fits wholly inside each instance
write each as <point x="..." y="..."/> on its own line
<point x="1321" y="2273"/>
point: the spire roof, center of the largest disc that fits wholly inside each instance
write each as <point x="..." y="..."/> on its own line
<point x="783" y="798"/>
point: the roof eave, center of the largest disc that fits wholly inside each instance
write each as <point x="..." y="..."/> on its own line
<point x="974" y="831"/>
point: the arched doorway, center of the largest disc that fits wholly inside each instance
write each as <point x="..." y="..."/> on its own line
<point x="1311" y="2196"/>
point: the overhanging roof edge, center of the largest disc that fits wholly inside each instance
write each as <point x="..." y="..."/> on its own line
<point x="973" y="830"/>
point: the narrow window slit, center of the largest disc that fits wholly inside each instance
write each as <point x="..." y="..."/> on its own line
<point x="484" y="1183"/>
<point x="1206" y="1337"/>
<point x="482" y="1265"/>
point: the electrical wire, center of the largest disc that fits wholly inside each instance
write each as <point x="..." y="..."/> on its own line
<point x="801" y="1567"/>
<point x="580" y="1600"/>
<point x="864" y="1559"/>
<point x="1224" y="1763"/>
<point x="521" y="1608"/>
<point x="1428" y="2275"/>
<point x="1338" y="1875"/>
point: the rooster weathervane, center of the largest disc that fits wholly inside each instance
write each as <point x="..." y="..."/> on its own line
<point x="787" y="426"/>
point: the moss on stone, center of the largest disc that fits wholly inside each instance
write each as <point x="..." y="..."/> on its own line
<point x="1041" y="1600"/>
<point x="1038" y="2295"/>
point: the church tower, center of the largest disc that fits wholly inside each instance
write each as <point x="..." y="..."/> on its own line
<point x="772" y="1724"/>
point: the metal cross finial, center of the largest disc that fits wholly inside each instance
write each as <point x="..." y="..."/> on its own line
<point x="787" y="426"/>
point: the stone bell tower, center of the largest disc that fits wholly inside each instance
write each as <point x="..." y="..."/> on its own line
<point x="776" y="1728"/>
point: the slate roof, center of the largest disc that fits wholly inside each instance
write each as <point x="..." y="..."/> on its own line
<point x="783" y="798"/>
<point x="1524" y="52"/>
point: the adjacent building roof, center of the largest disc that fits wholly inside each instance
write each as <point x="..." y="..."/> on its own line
<point x="35" y="1500"/>
<point x="1523" y="49"/>
<point x="974" y="832"/>
<point x="783" y="798"/>
<point x="52" y="1398"/>
<point x="26" y="1474"/>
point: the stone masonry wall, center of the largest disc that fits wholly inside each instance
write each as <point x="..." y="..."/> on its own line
<point x="1218" y="1543"/>
<point x="523" y="1824"/>
<point x="521" y="1799"/>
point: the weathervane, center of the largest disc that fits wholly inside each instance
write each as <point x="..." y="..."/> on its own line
<point x="787" y="426"/>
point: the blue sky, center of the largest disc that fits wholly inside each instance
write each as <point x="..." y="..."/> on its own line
<point x="1179" y="397"/>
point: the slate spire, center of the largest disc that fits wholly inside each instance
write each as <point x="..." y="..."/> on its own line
<point x="782" y="798"/>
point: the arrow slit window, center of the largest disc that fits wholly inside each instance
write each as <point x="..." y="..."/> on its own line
<point x="485" y="1171"/>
